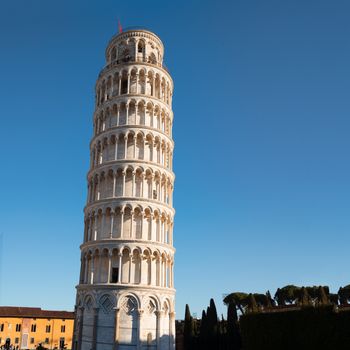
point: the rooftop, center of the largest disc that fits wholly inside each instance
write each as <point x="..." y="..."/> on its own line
<point x="33" y="312"/>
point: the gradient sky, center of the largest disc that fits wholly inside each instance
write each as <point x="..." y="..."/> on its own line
<point x="261" y="130"/>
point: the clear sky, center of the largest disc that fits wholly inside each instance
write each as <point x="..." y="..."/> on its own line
<point x="261" y="132"/>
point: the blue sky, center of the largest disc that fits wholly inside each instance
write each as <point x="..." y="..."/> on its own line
<point x="261" y="132"/>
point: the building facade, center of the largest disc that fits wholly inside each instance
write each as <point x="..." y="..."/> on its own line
<point x="125" y="297"/>
<point x="27" y="327"/>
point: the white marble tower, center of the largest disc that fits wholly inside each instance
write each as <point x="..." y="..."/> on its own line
<point x="125" y="296"/>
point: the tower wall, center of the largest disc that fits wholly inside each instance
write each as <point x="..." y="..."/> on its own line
<point x="125" y="296"/>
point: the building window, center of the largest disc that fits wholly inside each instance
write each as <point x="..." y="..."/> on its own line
<point x="62" y="343"/>
<point x="115" y="275"/>
<point x="33" y="328"/>
<point x="63" y="329"/>
<point x="124" y="86"/>
<point x="48" y="329"/>
<point x="140" y="48"/>
<point x="16" y="340"/>
<point x="1" y="327"/>
<point x="46" y="340"/>
<point x="31" y="340"/>
<point x="18" y="327"/>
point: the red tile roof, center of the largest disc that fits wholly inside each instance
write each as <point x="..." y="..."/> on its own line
<point x="33" y="312"/>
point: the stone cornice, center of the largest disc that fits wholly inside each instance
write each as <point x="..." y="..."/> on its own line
<point x="125" y="98"/>
<point x="126" y="163"/>
<point x="119" y="201"/>
<point x="127" y="128"/>
<point x="123" y="287"/>
<point x="115" y="242"/>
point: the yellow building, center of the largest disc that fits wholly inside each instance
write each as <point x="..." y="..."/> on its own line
<point x="27" y="327"/>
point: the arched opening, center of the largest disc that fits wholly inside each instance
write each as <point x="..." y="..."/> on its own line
<point x="156" y="236"/>
<point x="125" y="266"/>
<point x="137" y="222"/>
<point x="115" y="84"/>
<point x="130" y="147"/>
<point x="124" y="84"/>
<point x="113" y="117"/>
<point x="104" y="266"/>
<point x="89" y="269"/>
<point x="124" y="53"/>
<point x="109" y="184"/>
<point x="157" y="86"/>
<point x="148" y="115"/>
<point x="136" y="267"/>
<point x="122" y="114"/>
<point x="148" y="148"/>
<point x="127" y="223"/>
<point x="141" y="51"/>
<point x="146" y="273"/>
<point x="155" y="269"/>
<point x="106" y="227"/>
<point x="96" y="275"/>
<point x="117" y="224"/>
<point x="147" y="225"/>
<point x="139" y="147"/>
<point x="133" y="82"/>
<point x="114" y="278"/>
<point x="142" y="82"/>
<point x="132" y="114"/>
<point x="119" y="183"/>
<point x="101" y="186"/>
<point x="138" y="183"/>
<point x="121" y="147"/>
<point x="98" y="225"/>
<point x="148" y="185"/>
<point x="149" y="84"/>
<point x="128" y="183"/>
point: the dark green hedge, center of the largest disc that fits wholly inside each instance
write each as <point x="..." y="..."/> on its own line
<point x="309" y="328"/>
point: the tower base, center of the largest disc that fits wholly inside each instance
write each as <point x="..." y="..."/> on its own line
<point x="124" y="319"/>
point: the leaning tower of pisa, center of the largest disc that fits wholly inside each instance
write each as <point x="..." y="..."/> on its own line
<point x="125" y="296"/>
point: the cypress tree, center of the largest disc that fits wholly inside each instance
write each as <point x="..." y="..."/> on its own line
<point x="188" y="329"/>
<point x="270" y="302"/>
<point x="203" y="326"/>
<point x="208" y="312"/>
<point x="233" y="332"/>
<point x="212" y="318"/>
<point x="221" y="325"/>
<point x="279" y="297"/>
<point x="203" y="331"/>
